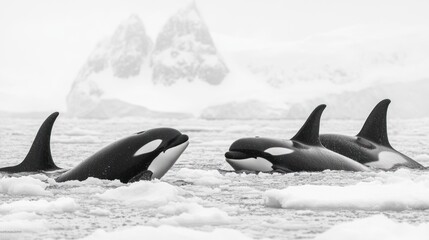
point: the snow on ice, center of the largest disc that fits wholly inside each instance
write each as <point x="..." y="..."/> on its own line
<point x="62" y="204"/>
<point x="396" y="192"/>
<point x="22" y="222"/>
<point x="202" y="177"/>
<point x="193" y="214"/>
<point x="23" y="186"/>
<point x="375" y="228"/>
<point x="144" y="194"/>
<point x="167" y="232"/>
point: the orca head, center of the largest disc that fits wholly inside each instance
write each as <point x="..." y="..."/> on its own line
<point x="258" y="154"/>
<point x="265" y="154"/>
<point x="159" y="149"/>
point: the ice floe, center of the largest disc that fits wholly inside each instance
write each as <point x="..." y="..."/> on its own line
<point x="174" y="206"/>
<point x="99" y="212"/>
<point x="23" y="186"/>
<point x="375" y="228"/>
<point x="143" y="194"/>
<point x="167" y="232"/>
<point x="22" y="222"/>
<point x="393" y="191"/>
<point x="202" y="177"/>
<point x="90" y="182"/>
<point x="63" y="204"/>
<point x="193" y="214"/>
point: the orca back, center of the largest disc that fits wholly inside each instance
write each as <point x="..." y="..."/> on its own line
<point x="309" y="132"/>
<point x="375" y="127"/>
<point x="39" y="157"/>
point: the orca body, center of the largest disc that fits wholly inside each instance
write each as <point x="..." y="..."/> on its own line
<point x="39" y="157"/>
<point x="371" y="146"/>
<point x="303" y="152"/>
<point x="142" y="156"/>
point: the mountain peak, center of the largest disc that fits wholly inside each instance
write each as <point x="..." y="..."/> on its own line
<point x="133" y="19"/>
<point x="190" y="12"/>
<point x="129" y="46"/>
<point x="123" y="53"/>
<point x="185" y="50"/>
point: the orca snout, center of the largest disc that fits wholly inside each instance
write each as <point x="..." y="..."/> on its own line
<point x="236" y="155"/>
<point x="177" y="141"/>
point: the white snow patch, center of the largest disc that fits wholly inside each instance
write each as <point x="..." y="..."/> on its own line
<point x="193" y="214"/>
<point x="167" y="232"/>
<point x="91" y="181"/>
<point x="202" y="177"/>
<point x="41" y="177"/>
<point x="374" y="228"/>
<point x="144" y="194"/>
<point x="395" y="193"/>
<point x="63" y="204"/>
<point x="23" y="186"/>
<point x="22" y="222"/>
<point x="99" y="212"/>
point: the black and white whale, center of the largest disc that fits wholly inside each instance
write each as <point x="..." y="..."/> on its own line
<point x="142" y="156"/>
<point x="371" y="145"/>
<point x="303" y="152"/>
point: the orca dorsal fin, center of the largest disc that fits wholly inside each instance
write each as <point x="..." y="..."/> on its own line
<point x="375" y="127"/>
<point x="39" y="157"/>
<point x="309" y="132"/>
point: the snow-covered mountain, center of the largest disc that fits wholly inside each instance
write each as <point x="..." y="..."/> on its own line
<point x="129" y="47"/>
<point x="185" y="71"/>
<point x="123" y="53"/>
<point x="123" y="56"/>
<point x="185" y="51"/>
<point x="127" y="67"/>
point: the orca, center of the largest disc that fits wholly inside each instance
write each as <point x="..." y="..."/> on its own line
<point x="142" y="156"/>
<point x="145" y="155"/>
<point x="303" y="152"/>
<point x="371" y="145"/>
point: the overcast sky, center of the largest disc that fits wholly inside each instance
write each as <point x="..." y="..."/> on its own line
<point x="44" y="43"/>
